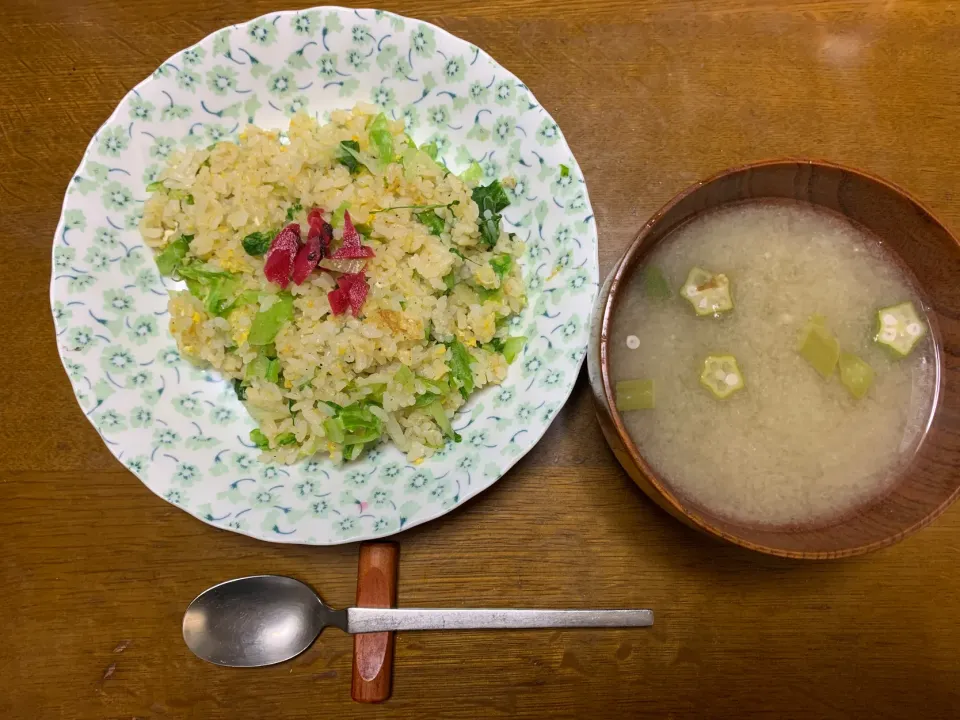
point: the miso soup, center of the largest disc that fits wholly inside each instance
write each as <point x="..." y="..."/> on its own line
<point x="765" y="383"/>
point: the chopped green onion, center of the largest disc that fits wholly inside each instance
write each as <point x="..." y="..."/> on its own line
<point x="564" y="170"/>
<point x="293" y="210"/>
<point x="501" y="265"/>
<point x="450" y="279"/>
<point x="257" y="243"/>
<point x="259" y="439"/>
<point x="635" y="395"/>
<point x="430" y="149"/>
<point x="287" y="438"/>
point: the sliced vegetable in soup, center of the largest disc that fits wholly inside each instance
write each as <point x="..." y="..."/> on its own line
<point x="721" y="376"/>
<point x="900" y="328"/>
<point x="855" y="374"/>
<point x="708" y="293"/>
<point x="818" y="346"/>
<point x="635" y="395"/>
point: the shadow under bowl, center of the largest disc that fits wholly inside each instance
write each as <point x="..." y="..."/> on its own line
<point x="926" y="248"/>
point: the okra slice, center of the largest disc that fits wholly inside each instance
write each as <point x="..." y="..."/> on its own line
<point x="721" y="376"/>
<point x="900" y="328"/>
<point x="709" y="293"/>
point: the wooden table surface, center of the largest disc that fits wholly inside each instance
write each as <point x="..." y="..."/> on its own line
<point x="96" y="571"/>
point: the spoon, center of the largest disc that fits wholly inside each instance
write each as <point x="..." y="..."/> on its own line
<point x="266" y="619"/>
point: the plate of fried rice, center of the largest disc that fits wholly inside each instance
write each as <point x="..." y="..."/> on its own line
<point x="324" y="275"/>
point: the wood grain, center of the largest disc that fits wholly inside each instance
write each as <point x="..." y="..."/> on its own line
<point x="373" y="652"/>
<point x="652" y="95"/>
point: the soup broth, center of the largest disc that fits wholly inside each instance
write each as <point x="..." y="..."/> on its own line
<point x="790" y="446"/>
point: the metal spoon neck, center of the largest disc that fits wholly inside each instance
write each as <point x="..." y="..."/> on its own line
<point x="339" y="619"/>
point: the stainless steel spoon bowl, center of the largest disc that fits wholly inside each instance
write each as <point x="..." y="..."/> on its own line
<point x="266" y="619"/>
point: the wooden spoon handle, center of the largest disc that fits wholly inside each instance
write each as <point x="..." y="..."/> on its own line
<point x="373" y="652"/>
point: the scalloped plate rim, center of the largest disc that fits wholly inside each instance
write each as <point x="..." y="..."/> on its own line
<point x="281" y="539"/>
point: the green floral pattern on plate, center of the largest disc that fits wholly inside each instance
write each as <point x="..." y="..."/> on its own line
<point x="180" y="429"/>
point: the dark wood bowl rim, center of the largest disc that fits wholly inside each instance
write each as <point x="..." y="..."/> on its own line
<point x="624" y="269"/>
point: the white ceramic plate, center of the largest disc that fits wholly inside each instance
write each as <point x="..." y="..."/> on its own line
<point x="181" y="430"/>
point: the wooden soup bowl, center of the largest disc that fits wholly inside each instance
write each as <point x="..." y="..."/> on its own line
<point x="931" y="482"/>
